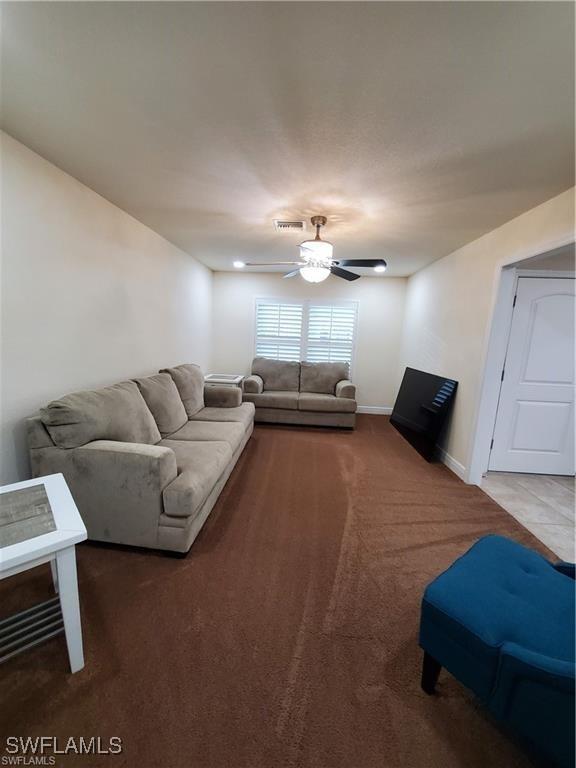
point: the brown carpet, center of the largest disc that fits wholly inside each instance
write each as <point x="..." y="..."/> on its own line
<point x="288" y="636"/>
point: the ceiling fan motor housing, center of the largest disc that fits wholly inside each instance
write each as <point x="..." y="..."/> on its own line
<point x="318" y="221"/>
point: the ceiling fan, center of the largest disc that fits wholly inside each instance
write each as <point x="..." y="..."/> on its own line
<point x="316" y="262"/>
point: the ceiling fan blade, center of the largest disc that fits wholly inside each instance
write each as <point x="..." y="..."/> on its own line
<point x="344" y="273"/>
<point x="362" y="263"/>
<point x="273" y="263"/>
<point x="291" y="274"/>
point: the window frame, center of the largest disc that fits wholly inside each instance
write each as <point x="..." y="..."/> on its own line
<point x="287" y="341"/>
<point x="304" y="337"/>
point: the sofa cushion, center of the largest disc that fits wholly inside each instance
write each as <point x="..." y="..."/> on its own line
<point x="243" y="413"/>
<point x="322" y="377"/>
<point x="273" y="399"/>
<point x="37" y="433"/>
<point x="222" y="396"/>
<point x="501" y="591"/>
<point x="163" y="400"/>
<point x="231" y="432"/>
<point x="200" y="466"/>
<point x="277" y="375"/>
<point x="498" y="592"/>
<point x="189" y="380"/>
<point x="118" y="412"/>
<point x="312" y="401"/>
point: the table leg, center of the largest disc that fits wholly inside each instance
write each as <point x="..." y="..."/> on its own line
<point x="68" y="589"/>
<point x="54" y="574"/>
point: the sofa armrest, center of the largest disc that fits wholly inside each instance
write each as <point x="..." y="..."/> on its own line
<point x="253" y="384"/>
<point x="158" y="460"/>
<point x="519" y="664"/>
<point x="117" y="486"/>
<point x="222" y="397"/>
<point x="526" y="663"/>
<point x="345" y="388"/>
<point x="568" y="569"/>
<point x="534" y="695"/>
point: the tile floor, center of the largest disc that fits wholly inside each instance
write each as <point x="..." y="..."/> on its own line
<point x="542" y="503"/>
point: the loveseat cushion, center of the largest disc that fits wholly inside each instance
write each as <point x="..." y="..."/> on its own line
<point x="243" y="413"/>
<point x="200" y="466"/>
<point x="322" y="377"/>
<point x="118" y="412"/>
<point x="312" y="401"/>
<point x="277" y="375"/>
<point x="271" y="399"/>
<point x="163" y="400"/>
<point x="189" y="381"/>
<point x="231" y="432"/>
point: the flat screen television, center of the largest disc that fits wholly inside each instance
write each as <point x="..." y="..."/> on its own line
<point x="421" y="409"/>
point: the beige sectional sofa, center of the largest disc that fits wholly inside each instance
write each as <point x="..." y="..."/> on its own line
<point x="316" y="394"/>
<point x="145" y="459"/>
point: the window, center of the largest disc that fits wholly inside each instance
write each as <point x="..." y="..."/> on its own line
<point x="309" y="330"/>
<point x="278" y="330"/>
<point x="331" y="330"/>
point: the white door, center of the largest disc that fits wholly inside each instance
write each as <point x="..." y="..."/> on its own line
<point x="535" y="423"/>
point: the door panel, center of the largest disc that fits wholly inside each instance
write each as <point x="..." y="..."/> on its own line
<point x="535" y="423"/>
<point x="540" y="426"/>
<point x="550" y="345"/>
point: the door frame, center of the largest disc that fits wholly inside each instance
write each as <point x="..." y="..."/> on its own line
<point x="496" y="348"/>
<point x="521" y="274"/>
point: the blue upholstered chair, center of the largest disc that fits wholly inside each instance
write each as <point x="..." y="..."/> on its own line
<point x="501" y="620"/>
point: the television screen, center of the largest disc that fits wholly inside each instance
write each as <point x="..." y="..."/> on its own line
<point x="421" y="408"/>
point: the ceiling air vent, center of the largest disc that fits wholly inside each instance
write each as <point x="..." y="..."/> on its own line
<point x="282" y="225"/>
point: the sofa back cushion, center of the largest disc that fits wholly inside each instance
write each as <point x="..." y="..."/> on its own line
<point x="163" y="400"/>
<point x="112" y="413"/>
<point x="189" y="381"/>
<point x="322" y="377"/>
<point x="277" y="375"/>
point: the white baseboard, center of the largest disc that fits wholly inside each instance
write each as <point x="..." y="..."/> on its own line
<point x="455" y="466"/>
<point x="452" y="464"/>
<point x="384" y="410"/>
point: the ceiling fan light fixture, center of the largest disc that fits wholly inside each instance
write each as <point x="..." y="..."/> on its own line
<point x="314" y="274"/>
<point x="380" y="268"/>
<point x="320" y="250"/>
<point x="238" y="264"/>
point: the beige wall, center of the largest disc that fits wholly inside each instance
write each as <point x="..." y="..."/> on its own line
<point x="560" y="259"/>
<point x="89" y="296"/>
<point x="449" y="306"/>
<point x="380" y="316"/>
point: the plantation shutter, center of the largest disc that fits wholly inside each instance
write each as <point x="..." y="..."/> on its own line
<point x="279" y="330"/>
<point x="331" y="332"/>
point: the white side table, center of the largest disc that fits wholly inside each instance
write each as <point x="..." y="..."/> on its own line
<point x="62" y="613"/>
<point x="226" y="379"/>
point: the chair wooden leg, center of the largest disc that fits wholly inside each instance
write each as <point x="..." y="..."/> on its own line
<point x="430" y="672"/>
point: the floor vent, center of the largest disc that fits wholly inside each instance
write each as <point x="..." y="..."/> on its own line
<point x="282" y="225"/>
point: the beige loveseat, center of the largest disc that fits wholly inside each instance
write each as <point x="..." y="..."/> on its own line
<point x="145" y="459"/>
<point x="316" y="394"/>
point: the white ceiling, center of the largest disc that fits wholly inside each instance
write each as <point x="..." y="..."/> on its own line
<point x="416" y="127"/>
